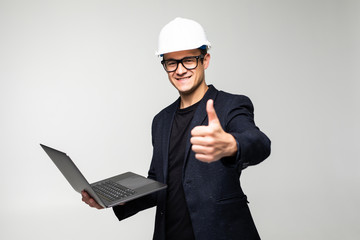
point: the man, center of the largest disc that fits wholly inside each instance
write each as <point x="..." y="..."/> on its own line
<point x="201" y="143"/>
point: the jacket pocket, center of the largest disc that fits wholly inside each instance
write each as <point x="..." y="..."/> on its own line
<point x="232" y="198"/>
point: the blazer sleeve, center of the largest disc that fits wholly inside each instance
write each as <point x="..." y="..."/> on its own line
<point x="253" y="145"/>
<point x="131" y="208"/>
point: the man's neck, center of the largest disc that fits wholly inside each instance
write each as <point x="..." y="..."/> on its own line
<point x="189" y="99"/>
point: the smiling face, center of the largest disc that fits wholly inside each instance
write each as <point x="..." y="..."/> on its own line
<point x="189" y="83"/>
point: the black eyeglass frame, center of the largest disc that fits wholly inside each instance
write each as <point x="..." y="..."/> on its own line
<point x="181" y="61"/>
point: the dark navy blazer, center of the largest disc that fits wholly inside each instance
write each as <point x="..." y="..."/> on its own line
<point x="217" y="205"/>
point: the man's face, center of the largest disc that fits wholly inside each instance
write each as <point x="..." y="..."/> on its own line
<point x="184" y="80"/>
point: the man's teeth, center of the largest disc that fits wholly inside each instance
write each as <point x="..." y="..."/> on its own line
<point x="184" y="78"/>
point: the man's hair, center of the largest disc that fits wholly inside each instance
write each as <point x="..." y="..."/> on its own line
<point x="203" y="51"/>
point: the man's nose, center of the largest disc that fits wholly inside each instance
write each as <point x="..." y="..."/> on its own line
<point x="180" y="69"/>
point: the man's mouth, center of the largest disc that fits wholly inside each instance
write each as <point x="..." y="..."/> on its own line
<point x="183" y="78"/>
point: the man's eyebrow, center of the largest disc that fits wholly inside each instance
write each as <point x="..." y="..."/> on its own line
<point x="177" y="59"/>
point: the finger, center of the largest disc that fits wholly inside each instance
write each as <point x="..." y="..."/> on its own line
<point x="94" y="204"/>
<point x="201" y="131"/>
<point x="204" y="158"/>
<point x="89" y="200"/>
<point x="212" y="117"/>
<point x="204" y="141"/>
<point x="199" y="149"/>
<point x="85" y="196"/>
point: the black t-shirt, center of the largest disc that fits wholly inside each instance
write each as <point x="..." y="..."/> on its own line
<point x="178" y="222"/>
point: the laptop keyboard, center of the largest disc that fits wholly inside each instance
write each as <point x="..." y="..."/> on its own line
<point x="112" y="191"/>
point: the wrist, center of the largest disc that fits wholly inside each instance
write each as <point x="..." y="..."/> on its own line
<point x="232" y="146"/>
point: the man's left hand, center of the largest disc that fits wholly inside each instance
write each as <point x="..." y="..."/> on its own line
<point x="211" y="143"/>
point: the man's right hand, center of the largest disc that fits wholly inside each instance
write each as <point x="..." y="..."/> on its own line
<point x="90" y="201"/>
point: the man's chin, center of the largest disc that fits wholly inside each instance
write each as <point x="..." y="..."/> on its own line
<point x="185" y="92"/>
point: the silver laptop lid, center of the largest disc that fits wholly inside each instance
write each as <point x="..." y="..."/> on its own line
<point x="70" y="171"/>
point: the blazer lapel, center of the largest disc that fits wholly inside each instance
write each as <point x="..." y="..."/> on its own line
<point x="199" y="118"/>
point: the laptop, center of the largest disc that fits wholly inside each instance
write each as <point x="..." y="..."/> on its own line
<point x="108" y="192"/>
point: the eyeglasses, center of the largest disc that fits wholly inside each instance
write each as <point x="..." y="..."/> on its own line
<point x="188" y="62"/>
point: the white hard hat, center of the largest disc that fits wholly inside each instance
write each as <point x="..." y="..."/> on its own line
<point x="181" y="34"/>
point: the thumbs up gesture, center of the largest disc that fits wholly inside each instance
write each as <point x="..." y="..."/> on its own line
<point x="211" y="143"/>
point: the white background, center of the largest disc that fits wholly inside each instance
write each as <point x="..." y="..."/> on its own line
<point x="81" y="76"/>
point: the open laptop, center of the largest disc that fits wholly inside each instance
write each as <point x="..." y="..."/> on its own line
<point x="108" y="192"/>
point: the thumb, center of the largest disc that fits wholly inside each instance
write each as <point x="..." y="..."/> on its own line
<point x="212" y="117"/>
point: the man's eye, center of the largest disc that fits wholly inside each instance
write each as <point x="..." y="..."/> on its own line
<point x="188" y="60"/>
<point x="171" y="63"/>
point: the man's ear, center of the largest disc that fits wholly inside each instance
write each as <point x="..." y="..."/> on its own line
<point x="206" y="61"/>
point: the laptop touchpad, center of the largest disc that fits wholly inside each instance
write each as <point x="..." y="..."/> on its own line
<point x="135" y="182"/>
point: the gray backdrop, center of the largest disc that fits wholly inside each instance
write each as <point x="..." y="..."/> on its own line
<point x="82" y="76"/>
